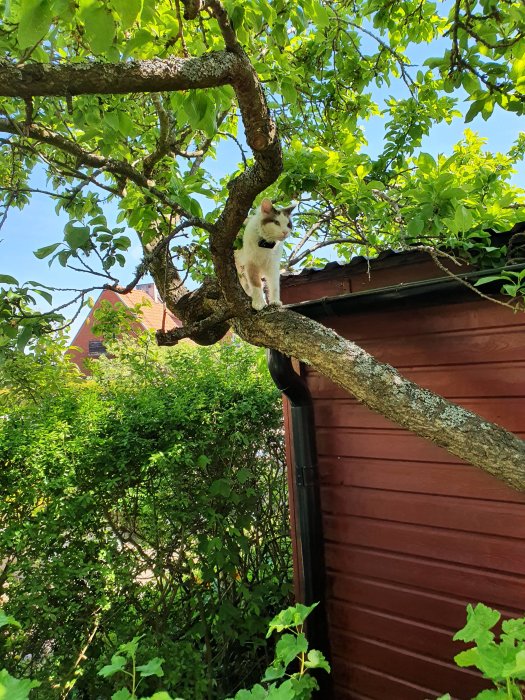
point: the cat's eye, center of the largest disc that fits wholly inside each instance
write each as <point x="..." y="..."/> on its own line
<point x="289" y="224"/>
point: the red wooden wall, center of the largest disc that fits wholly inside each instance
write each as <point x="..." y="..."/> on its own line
<point x="411" y="533"/>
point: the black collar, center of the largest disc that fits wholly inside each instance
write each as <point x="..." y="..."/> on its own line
<point x="263" y="243"/>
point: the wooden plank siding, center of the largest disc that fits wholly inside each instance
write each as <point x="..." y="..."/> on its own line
<point x="411" y="533"/>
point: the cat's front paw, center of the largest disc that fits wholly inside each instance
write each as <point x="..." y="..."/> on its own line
<point x="258" y="305"/>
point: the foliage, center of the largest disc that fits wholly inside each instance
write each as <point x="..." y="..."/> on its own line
<point x="138" y="501"/>
<point x="502" y="662"/>
<point x="513" y="282"/>
<point x="291" y="648"/>
<point x="328" y="68"/>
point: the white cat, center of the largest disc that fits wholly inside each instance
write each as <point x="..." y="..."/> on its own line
<point x="260" y="255"/>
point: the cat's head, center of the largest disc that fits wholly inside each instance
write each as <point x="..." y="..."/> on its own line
<point x="276" y="224"/>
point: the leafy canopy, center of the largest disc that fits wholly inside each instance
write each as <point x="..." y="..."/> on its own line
<point x="159" y="160"/>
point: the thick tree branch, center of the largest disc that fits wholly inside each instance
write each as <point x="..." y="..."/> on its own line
<point x="379" y="386"/>
<point x="210" y="70"/>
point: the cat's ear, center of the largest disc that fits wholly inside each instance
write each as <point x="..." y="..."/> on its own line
<point x="266" y="206"/>
<point x="288" y="210"/>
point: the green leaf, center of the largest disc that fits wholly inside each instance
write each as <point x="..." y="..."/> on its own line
<point x="24" y="337"/>
<point x="152" y="668"/>
<point x="290" y="646"/>
<point x="116" y="665"/>
<point x="316" y="659"/>
<point x="496" y="694"/>
<point x="463" y="219"/>
<point x="220" y="487"/>
<point x="7" y="279"/>
<point x="516" y="668"/>
<point x="479" y="621"/>
<point x="98" y="24"/>
<point x="8" y="620"/>
<point x="130" y="648"/>
<point x="514" y="629"/>
<point x="13" y="688"/>
<point x="35" y="20"/>
<point x="273" y="673"/>
<point x="45" y="251"/>
<point x="197" y="105"/>
<point x="127" y="11"/>
<point x="474" y="109"/>
<point x="46" y="295"/>
<point x="486" y="280"/>
<point x="415" y="227"/>
<point x="76" y="236"/>
<point x="290" y="618"/>
<point x="122" y="694"/>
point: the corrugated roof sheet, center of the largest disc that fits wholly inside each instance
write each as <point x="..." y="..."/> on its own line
<point x="358" y="261"/>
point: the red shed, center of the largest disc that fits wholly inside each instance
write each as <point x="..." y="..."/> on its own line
<point x="409" y="533"/>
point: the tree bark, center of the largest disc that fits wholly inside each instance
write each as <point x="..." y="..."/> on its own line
<point x="379" y="386"/>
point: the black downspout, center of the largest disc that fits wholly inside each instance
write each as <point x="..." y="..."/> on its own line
<point x="308" y="510"/>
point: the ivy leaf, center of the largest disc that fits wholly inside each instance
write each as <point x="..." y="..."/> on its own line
<point x="34" y="22"/>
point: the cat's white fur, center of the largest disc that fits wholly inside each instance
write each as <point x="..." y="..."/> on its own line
<point x="255" y="263"/>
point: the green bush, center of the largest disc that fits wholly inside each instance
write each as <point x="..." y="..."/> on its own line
<point x="280" y="682"/>
<point x="503" y="661"/>
<point x="149" y="499"/>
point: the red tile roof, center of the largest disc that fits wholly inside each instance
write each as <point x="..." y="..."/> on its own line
<point x="153" y="313"/>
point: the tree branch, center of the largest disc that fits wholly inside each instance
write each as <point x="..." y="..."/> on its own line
<point x="212" y="69"/>
<point x="112" y="165"/>
<point x="378" y="385"/>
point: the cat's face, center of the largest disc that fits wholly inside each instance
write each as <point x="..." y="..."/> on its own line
<point x="275" y="223"/>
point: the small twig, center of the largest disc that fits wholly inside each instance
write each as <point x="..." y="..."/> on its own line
<point x="434" y="255"/>
<point x="241" y="149"/>
<point x="322" y="244"/>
